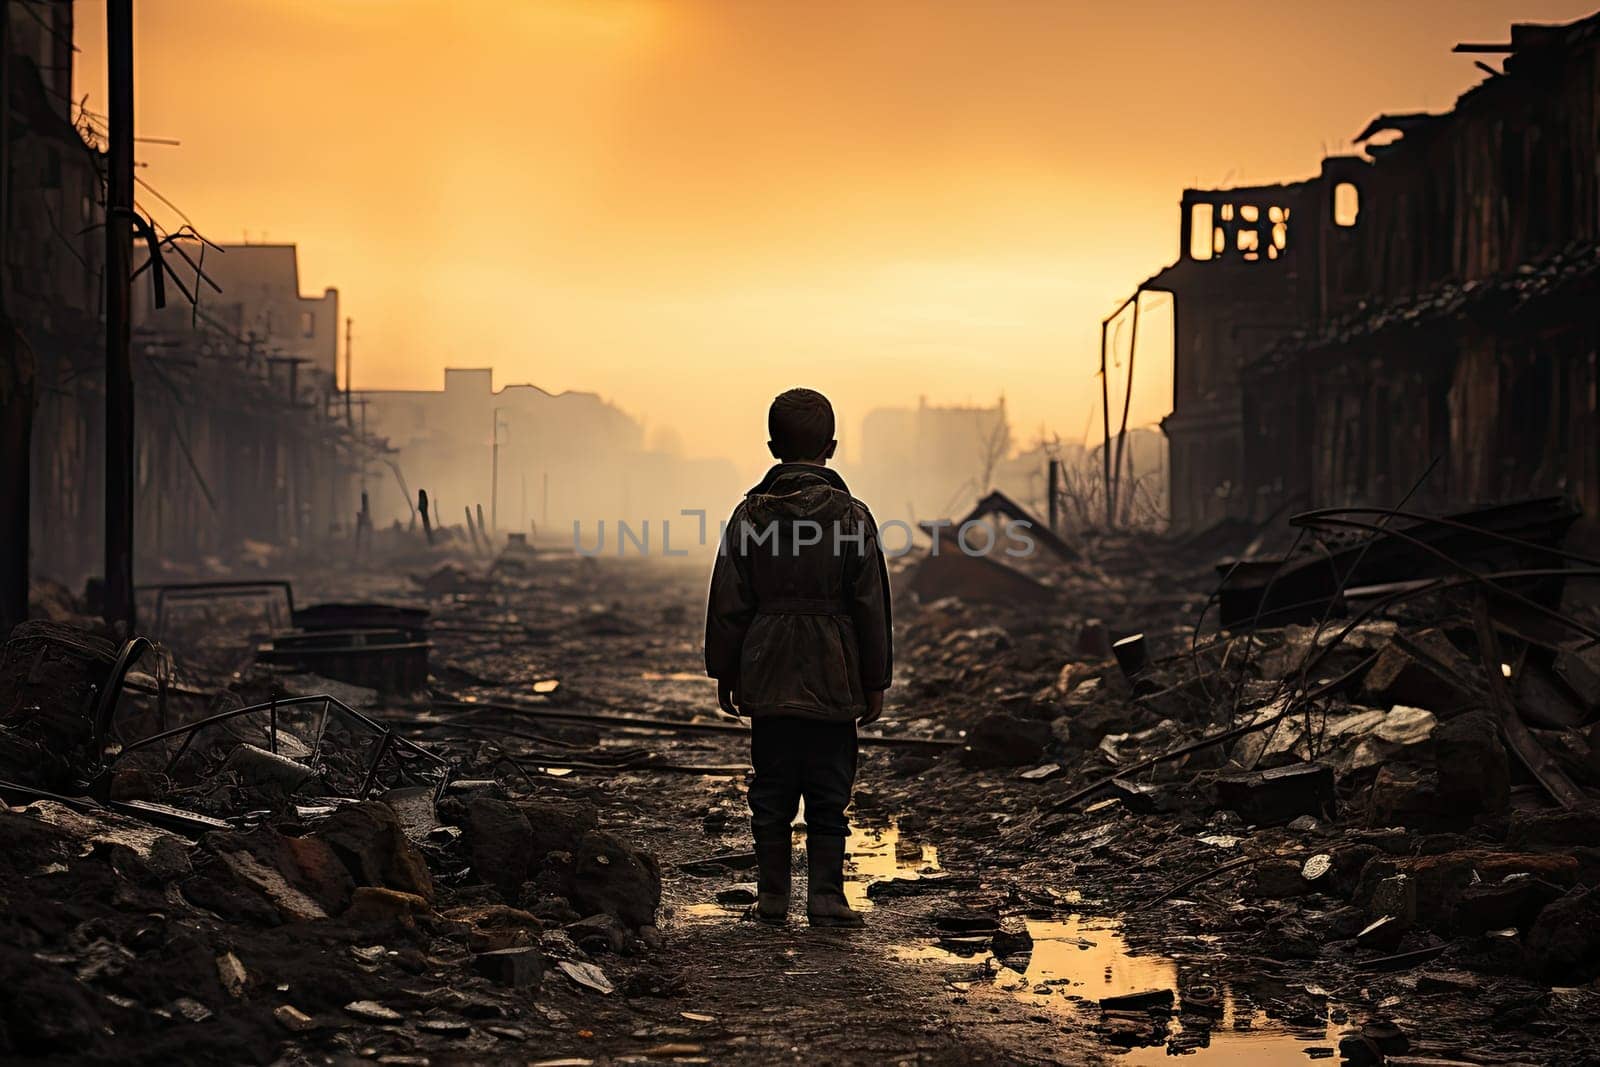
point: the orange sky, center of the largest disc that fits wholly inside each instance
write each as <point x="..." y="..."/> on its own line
<point x="689" y="206"/>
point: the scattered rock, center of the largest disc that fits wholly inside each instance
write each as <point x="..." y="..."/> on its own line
<point x="369" y="839"/>
<point x="1555" y="827"/>
<point x="1514" y="901"/>
<point x="1387" y="1037"/>
<point x="501" y="843"/>
<point x="1564" y="944"/>
<point x="1396" y="897"/>
<point x="558" y="826"/>
<point x="598" y="934"/>
<point x="375" y="905"/>
<point x="587" y="975"/>
<point x="292" y="1018"/>
<point x="1422" y="671"/>
<point x="1474" y="774"/>
<point x="495" y="926"/>
<point x="1000" y="739"/>
<point x="517" y="968"/>
<point x="1409" y="796"/>
<point x="232" y="975"/>
<point x="373" y="1012"/>
<point x="1273" y="797"/>
<point x="1144" y="1000"/>
<point x="609" y="877"/>
<point x="1277" y="878"/>
<point x="1012" y="939"/>
<point x="247" y="870"/>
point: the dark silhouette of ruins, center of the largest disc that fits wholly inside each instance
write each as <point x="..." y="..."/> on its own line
<point x="1434" y="298"/>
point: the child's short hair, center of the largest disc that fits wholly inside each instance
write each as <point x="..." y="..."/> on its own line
<point x="800" y="424"/>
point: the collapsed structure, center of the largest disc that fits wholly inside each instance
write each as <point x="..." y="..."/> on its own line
<point x="1433" y="300"/>
<point x="237" y="434"/>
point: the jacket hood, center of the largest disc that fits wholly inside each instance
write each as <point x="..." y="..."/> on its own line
<point x="799" y="491"/>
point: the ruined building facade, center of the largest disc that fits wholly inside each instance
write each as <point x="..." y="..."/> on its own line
<point x="237" y="438"/>
<point x="1434" y="299"/>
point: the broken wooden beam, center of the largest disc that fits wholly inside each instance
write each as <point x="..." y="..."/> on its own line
<point x="1545" y="770"/>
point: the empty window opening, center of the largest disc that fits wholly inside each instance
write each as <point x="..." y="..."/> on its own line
<point x="1250" y="232"/>
<point x="1200" y="232"/>
<point x="308" y="324"/>
<point x="1346" y="204"/>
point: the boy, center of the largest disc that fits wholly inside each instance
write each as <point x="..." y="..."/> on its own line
<point x="798" y="638"/>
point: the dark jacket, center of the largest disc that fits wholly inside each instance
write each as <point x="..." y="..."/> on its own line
<point x="798" y="617"/>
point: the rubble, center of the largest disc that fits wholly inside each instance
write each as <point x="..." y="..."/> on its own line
<point x="1257" y="805"/>
<point x="518" y="968"/>
<point x="1272" y="797"/>
<point x="1003" y="740"/>
<point x="610" y="878"/>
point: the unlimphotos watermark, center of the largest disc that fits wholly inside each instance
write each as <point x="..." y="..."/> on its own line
<point x="975" y="537"/>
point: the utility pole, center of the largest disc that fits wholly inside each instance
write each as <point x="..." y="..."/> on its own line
<point x="494" y="476"/>
<point x="1127" y="403"/>
<point x="16" y="387"/>
<point x="1105" y="416"/>
<point x="348" y="384"/>
<point x="1054" y="492"/>
<point x="119" y="605"/>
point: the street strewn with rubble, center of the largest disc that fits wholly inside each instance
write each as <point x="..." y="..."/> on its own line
<point x="1257" y="844"/>
<point x="1243" y="708"/>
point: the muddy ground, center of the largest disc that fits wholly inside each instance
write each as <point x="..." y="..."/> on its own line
<point x="996" y="925"/>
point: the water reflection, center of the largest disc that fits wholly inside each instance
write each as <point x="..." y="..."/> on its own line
<point x="1077" y="962"/>
<point x="880" y="853"/>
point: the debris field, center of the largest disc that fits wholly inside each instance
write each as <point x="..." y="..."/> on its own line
<point x="1317" y="789"/>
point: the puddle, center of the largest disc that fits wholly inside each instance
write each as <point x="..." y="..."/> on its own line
<point x="874" y="854"/>
<point x="1077" y="962"/>
<point x="675" y="676"/>
<point x="878" y="853"/>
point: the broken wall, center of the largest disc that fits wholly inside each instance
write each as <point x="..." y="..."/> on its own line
<point x="222" y="457"/>
<point x="1457" y="321"/>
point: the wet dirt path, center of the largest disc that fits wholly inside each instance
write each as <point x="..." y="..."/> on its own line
<point x="625" y="639"/>
<point x="919" y="984"/>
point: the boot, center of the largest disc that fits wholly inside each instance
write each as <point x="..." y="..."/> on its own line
<point x="825" y="903"/>
<point x="772" y="880"/>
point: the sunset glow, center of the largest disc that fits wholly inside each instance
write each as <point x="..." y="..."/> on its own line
<point x="689" y="206"/>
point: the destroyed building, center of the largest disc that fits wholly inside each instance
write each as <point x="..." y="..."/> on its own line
<point x="1431" y="299"/>
<point x="240" y="437"/>
<point x="257" y="296"/>
<point x="237" y="436"/>
<point x="531" y="459"/>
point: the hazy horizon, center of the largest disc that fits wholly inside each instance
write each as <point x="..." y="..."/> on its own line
<point x="687" y="207"/>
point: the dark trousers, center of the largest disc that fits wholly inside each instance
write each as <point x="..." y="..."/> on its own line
<point x="796" y="758"/>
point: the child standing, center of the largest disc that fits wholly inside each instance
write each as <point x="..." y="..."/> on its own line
<point x="798" y="636"/>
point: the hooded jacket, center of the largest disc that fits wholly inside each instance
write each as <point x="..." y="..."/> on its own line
<point x="798" y="616"/>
